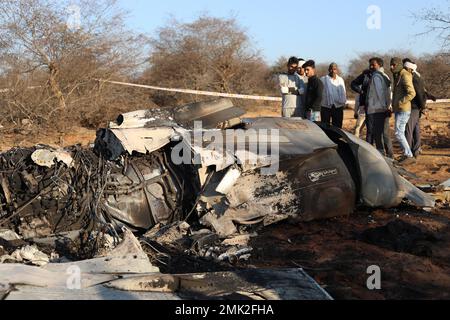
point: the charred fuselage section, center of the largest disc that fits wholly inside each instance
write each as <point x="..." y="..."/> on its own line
<point x="131" y="178"/>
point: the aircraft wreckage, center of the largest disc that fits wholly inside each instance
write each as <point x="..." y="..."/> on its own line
<point x="199" y="181"/>
<point x="151" y="168"/>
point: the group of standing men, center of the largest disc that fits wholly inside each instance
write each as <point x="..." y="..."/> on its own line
<point x="307" y="96"/>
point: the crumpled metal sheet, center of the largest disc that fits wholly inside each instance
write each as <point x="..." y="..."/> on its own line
<point x="144" y="140"/>
<point x="380" y="183"/>
<point x="143" y="119"/>
<point x="8" y="235"/>
<point x="296" y="136"/>
<point x="212" y="114"/>
<point x="127" y="257"/>
<point x="145" y="131"/>
<point x="47" y="157"/>
<point x="285" y="284"/>
<point x="281" y="136"/>
<point x="211" y="157"/>
<point x="30" y="254"/>
<point x="412" y="193"/>
<point x="306" y="188"/>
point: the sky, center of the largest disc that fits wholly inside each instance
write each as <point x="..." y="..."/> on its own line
<point x="324" y="30"/>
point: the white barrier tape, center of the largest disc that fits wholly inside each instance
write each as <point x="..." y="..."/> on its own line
<point x="8" y="90"/>
<point x="218" y="94"/>
<point x="208" y="93"/>
<point x="352" y="103"/>
<point x="197" y="92"/>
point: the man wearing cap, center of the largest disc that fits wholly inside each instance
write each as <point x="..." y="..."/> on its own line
<point x="314" y="92"/>
<point x="291" y="87"/>
<point x="403" y="94"/>
<point x="418" y="105"/>
<point x="334" y="97"/>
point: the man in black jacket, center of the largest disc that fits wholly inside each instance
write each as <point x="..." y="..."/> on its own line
<point x="418" y="105"/>
<point x="314" y="92"/>
<point x="361" y="86"/>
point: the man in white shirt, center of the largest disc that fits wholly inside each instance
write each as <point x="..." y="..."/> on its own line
<point x="334" y="97"/>
<point x="291" y="87"/>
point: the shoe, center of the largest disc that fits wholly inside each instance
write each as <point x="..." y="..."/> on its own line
<point x="400" y="158"/>
<point x="417" y="153"/>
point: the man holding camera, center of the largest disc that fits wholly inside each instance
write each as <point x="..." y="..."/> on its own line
<point x="292" y="87"/>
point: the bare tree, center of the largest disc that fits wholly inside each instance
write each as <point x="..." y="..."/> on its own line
<point x="279" y="66"/>
<point x="207" y="54"/>
<point x="61" y="46"/>
<point x="437" y="22"/>
<point x="434" y="69"/>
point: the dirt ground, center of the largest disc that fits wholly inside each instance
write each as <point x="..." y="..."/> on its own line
<point x="415" y="264"/>
<point x="411" y="246"/>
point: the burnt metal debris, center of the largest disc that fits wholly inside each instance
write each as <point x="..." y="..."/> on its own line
<point x="129" y="178"/>
<point x="211" y="204"/>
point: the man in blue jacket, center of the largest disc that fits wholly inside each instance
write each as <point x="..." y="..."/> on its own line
<point x="378" y="102"/>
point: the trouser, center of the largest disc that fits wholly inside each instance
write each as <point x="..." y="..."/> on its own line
<point x="413" y="131"/>
<point x="360" y="123"/>
<point x="288" y="112"/>
<point x="313" y="116"/>
<point x="388" y="148"/>
<point x="300" y="112"/>
<point x="333" y="116"/>
<point x="401" y="120"/>
<point x="369" y="137"/>
<point x="376" y="121"/>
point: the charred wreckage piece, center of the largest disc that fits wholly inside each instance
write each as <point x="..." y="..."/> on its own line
<point x="132" y="179"/>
